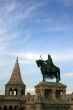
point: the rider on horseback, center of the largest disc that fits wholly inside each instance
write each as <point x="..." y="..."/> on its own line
<point x="49" y="61"/>
<point x="48" y="69"/>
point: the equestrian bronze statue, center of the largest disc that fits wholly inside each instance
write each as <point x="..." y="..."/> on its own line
<point x="48" y="69"/>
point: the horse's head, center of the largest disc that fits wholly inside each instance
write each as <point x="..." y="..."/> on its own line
<point x="38" y="63"/>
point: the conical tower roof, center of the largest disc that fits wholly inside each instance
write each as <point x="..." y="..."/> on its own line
<point x="16" y="75"/>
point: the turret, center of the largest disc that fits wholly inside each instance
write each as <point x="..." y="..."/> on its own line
<point x="15" y="86"/>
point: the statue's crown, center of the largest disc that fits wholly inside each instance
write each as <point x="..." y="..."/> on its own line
<point x="49" y="56"/>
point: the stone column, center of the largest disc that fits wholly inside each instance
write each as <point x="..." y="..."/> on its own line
<point x="38" y="106"/>
<point x="28" y="107"/>
<point x="42" y="92"/>
<point x="63" y="95"/>
<point x="53" y="94"/>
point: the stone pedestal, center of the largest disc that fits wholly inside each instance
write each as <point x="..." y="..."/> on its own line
<point x="51" y="95"/>
<point x="51" y="91"/>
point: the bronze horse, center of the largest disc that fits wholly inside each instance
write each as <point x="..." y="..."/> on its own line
<point x="48" y="71"/>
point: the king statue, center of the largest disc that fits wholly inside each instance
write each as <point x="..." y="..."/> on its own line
<point x="48" y="69"/>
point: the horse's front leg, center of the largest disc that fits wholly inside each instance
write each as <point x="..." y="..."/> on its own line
<point x="43" y="76"/>
<point x="59" y="73"/>
<point x="57" y="79"/>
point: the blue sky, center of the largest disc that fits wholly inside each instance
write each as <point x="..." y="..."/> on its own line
<point x="30" y="28"/>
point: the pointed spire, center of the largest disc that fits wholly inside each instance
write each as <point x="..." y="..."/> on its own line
<point x="17" y="59"/>
<point x="16" y="75"/>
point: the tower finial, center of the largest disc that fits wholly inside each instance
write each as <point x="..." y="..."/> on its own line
<point x="17" y="59"/>
<point x="16" y="74"/>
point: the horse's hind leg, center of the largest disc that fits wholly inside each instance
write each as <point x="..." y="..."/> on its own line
<point x="43" y="78"/>
<point x="59" y="74"/>
<point x="57" y="79"/>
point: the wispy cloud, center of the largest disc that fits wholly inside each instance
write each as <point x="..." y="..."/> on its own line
<point x="27" y="57"/>
<point x="68" y="75"/>
<point x="66" y="2"/>
<point x="13" y="12"/>
<point x="30" y="90"/>
<point x="2" y="49"/>
<point x="2" y="63"/>
<point x="47" y="20"/>
<point x="26" y="36"/>
<point x="2" y="90"/>
<point x="69" y="91"/>
<point x="7" y="37"/>
<point x="17" y="11"/>
<point x="64" y="56"/>
<point x="58" y="29"/>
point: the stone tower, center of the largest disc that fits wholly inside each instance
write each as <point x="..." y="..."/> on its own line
<point x="15" y="86"/>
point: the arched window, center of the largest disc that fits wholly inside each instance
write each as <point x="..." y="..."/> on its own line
<point x="15" y="91"/>
<point x="48" y="93"/>
<point x="10" y="92"/>
<point x="16" y="108"/>
<point x="0" y="108"/>
<point x="59" y="93"/>
<point x="22" y="92"/>
<point x="10" y="108"/>
<point x="23" y="108"/>
<point x="5" y="107"/>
